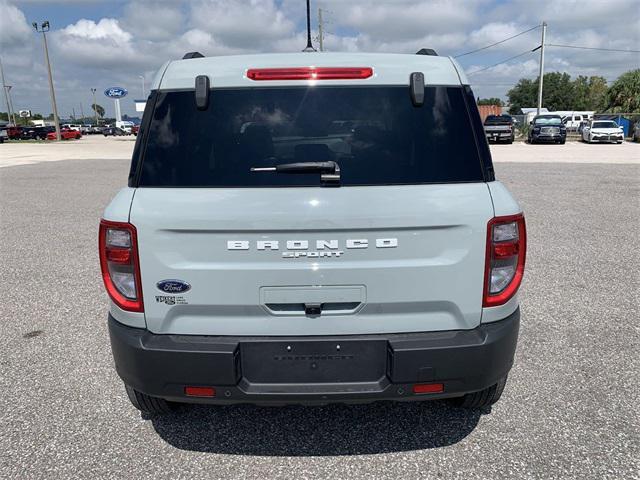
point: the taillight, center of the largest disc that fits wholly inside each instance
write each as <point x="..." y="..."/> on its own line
<point x="118" y="246"/>
<point x="310" y="73"/>
<point x="504" y="263"/>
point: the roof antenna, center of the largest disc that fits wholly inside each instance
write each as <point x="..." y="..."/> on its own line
<point x="309" y="47"/>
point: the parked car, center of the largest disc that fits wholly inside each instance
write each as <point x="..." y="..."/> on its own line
<point x="547" y="129"/>
<point x="3" y="134"/>
<point x="114" y="132"/>
<point x="135" y="129"/>
<point x="499" y="128"/>
<point x="36" y="133"/>
<point x="576" y="119"/>
<point x="65" y="134"/>
<point x="14" y="132"/>
<point x="309" y="285"/>
<point x="603" y="131"/>
<point x="72" y="126"/>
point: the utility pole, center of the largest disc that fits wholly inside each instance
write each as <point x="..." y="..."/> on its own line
<point x="6" y="89"/>
<point x="541" y="77"/>
<point x="44" y="28"/>
<point x="309" y="47"/>
<point x="320" y="30"/>
<point x="95" y="110"/>
<point x="11" y="109"/>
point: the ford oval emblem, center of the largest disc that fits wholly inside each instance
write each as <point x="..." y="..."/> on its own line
<point x="116" y="92"/>
<point x="173" y="286"/>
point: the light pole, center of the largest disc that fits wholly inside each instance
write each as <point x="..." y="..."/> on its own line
<point x="7" y="89"/>
<point x="142" y="78"/>
<point x="95" y="108"/>
<point x="13" y="112"/>
<point x="320" y="30"/>
<point x="44" y="28"/>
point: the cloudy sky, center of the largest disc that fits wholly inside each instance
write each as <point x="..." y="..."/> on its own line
<point x="95" y="43"/>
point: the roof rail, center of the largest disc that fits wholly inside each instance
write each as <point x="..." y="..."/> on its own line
<point x="192" y="55"/>
<point x="427" y="51"/>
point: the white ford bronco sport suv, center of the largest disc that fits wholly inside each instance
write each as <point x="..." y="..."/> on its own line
<point x="312" y="228"/>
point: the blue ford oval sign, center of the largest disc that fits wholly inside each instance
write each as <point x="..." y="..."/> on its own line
<point x="116" y="92"/>
<point x="173" y="286"/>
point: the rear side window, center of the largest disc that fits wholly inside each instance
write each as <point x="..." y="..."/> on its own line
<point x="375" y="134"/>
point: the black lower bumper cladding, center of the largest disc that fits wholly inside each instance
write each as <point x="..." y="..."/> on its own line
<point x="281" y="370"/>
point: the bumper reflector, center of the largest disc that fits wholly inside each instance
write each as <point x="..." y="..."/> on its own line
<point x="428" y="388"/>
<point x="200" y="391"/>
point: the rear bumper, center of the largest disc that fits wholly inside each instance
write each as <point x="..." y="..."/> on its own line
<point x="314" y="370"/>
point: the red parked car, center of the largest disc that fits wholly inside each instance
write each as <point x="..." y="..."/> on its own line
<point x="65" y="134"/>
<point x="14" y="133"/>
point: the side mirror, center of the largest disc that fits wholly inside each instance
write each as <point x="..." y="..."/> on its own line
<point x="531" y="123"/>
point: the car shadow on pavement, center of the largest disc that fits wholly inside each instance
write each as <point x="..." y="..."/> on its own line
<point x="316" y="431"/>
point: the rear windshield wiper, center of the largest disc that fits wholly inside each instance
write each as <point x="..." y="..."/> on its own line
<point x="329" y="171"/>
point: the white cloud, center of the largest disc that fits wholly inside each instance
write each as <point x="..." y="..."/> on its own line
<point x="101" y="45"/>
<point x="156" y="21"/>
<point x="249" y="25"/>
<point x="14" y="29"/>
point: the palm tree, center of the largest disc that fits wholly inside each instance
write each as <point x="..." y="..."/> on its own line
<point x="624" y="94"/>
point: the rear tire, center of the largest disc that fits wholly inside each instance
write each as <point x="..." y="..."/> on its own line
<point x="482" y="399"/>
<point x="148" y="404"/>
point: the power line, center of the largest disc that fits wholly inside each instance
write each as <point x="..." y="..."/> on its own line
<point x="497" y="43"/>
<point x="503" y="61"/>
<point x="592" y="48"/>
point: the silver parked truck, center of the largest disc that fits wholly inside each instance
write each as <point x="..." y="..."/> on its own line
<point x="312" y="228"/>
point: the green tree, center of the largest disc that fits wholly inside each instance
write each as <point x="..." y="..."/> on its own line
<point x="560" y="93"/>
<point x="624" y="94"/>
<point x="523" y="95"/>
<point x="589" y="93"/>
<point x="490" y="101"/>
<point x="99" y="109"/>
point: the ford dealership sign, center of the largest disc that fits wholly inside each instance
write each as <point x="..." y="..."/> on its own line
<point x="116" y="92"/>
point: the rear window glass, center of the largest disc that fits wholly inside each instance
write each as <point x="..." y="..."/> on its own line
<point x="498" y="120"/>
<point x="375" y="134"/>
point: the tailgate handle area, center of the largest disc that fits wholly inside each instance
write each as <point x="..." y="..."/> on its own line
<point x="313" y="301"/>
<point x="312" y="309"/>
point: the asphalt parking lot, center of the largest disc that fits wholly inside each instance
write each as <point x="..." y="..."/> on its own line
<point x="570" y="409"/>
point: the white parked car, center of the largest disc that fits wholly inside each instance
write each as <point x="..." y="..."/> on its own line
<point x="603" y="131"/>
<point x="124" y="125"/>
